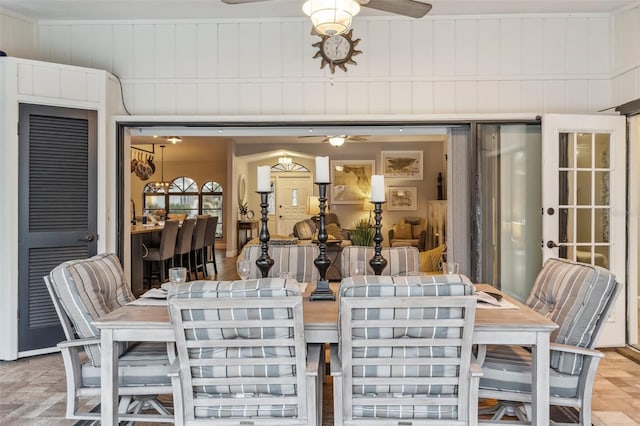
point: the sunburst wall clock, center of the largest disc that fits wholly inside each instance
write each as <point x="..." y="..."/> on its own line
<point x="337" y="50"/>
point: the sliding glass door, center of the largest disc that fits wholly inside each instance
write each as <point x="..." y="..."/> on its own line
<point x="507" y="198"/>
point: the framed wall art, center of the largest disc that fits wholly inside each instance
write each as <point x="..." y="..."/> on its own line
<point x="406" y="165"/>
<point x="351" y="180"/>
<point x="402" y="198"/>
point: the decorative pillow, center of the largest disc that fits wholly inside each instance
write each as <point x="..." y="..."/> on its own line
<point x="304" y="230"/>
<point x="334" y="231"/>
<point x="430" y="260"/>
<point x="402" y="231"/>
<point x="412" y="220"/>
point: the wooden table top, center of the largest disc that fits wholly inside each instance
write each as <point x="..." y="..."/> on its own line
<point x="323" y="313"/>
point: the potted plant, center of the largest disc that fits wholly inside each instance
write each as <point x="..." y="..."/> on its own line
<point x="362" y="233"/>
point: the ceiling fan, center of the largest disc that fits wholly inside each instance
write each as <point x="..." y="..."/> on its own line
<point x="410" y="8"/>
<point x="338" y="140"/>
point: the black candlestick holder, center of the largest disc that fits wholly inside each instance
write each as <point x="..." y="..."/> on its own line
<point x="322" y="262"/>
<point x="264" y="262"/>
<point x="377" y="262"/>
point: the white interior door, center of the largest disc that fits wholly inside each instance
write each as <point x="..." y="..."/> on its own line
<point x="583" y="198"/>
<point x="292" y="191"/>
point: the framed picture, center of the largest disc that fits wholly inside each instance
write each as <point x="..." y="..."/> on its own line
<point x="402" y="164"/>
<point x="402" y="198"/>
<point x="351" y="181"/>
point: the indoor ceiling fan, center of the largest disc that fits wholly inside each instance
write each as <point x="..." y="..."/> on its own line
<point x="338" y="140"/>
<point x="410" y="8"/>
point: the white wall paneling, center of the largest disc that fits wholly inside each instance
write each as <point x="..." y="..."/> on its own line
<point x="463" y="64"/>
<point x="626" y="56"/>
<point x="17" y="36"/>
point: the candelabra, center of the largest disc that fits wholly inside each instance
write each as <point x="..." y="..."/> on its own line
<point x="322" y="262"/>
<point x="264" y="262"/>
<point x="378" y="262"/>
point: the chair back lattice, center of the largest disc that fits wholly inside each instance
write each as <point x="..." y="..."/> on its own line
<point x="405" y="347"/>
<point x="241" y="350"/>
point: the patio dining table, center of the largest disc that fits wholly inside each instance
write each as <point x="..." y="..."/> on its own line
<point x="519" y="326"/>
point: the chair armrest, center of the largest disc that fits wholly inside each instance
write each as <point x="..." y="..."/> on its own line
<point x="422" y="243"/>
<point x="481" y="353"/>
<point x="475" y="368"/>
<point x="336" y="364"/>
<point x="314" y="352"/>
<point x="576" y="350"/>
<point x="79" y="342"/>
<point x="174" y="369"/>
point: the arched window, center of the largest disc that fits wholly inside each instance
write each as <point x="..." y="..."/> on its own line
<point x="212" y="203"/>
<point x="183" y="196"/>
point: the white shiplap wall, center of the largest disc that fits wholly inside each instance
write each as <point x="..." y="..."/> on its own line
<point x="626" y="53"/>
<point x="445" y="65"/>
<point x="17" y="35"/>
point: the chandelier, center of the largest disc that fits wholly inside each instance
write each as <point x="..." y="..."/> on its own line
<point x="331" y="17"/>
<point x="284" y="160"/>
<point x="162" y="185"/>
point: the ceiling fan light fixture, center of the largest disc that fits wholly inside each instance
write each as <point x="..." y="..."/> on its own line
<point x="331" y="17"/>
<point x="174" y="139"/>
<point x="337" y="140"/>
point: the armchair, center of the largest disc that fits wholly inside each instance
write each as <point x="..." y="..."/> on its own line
<point x="578" y="297"/>
<point x="82" y="291"/>
<point x="404" y="354"/>
<point x="242" y="356"/>
<point x="411" y="231"/>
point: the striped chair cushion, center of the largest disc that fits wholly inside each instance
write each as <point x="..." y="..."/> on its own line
<point x="264" y="287"/>
<point x="244" y="411"/>
<point x="400" y="260"/>
<point x="444" y="412"/>
<point x="143" y="364"/>
<point x="297" y="259"/>
<point x="573" y="295"/>
<point x="509" y="368"/>
<point x="88" y="289"/>
<point x="385" y="286"/>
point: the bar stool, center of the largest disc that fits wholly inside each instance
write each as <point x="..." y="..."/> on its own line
<point x="197" y="244"/>
<point x="183" y="242"/>
<point x="166" y="250"/>
<point x="210" y="243"/>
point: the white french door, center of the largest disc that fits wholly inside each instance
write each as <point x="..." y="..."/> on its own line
<point x="583" y="198"/>
<point x="292" y="190"/>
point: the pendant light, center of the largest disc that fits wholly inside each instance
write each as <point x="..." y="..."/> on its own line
<point x="162" y="184"/>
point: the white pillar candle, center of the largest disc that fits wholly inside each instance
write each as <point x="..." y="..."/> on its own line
<point x="377" y="188"/>
<point x="264" y="179"/>
<point x="322" y="170"/>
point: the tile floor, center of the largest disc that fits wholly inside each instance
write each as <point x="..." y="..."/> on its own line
<point x="32" y="392"/>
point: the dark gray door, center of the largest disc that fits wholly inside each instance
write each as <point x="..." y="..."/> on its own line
<point x="58" y="212"/>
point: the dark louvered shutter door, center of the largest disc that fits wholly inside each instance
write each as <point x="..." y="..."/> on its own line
<point x="58" y="211"/>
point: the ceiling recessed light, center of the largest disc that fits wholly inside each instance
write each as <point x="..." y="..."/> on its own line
<point x="174" y="139"/>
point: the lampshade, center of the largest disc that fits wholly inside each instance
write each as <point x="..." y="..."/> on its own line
<point x="313" y="205"/>
<point x="331" y="17"/>
<point x="336" y="140"/>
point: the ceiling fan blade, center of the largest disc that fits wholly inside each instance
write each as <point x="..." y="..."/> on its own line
<point x="411" y="8"/>
<point x="241" y="1"/>
<point x="356" y="138"/>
